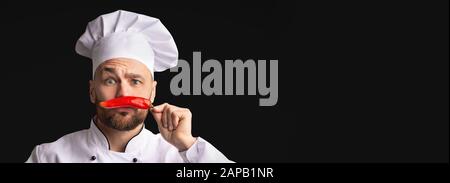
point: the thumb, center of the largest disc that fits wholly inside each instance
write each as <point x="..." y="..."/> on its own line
<point x="158" y="108"/>
<point x="157" y="112"/>
<point x="157" y="116"/>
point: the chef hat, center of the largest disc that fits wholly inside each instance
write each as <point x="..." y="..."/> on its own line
<point x="128" y="35"/>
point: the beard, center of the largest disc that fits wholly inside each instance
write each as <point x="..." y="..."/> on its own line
<point x="121" y="120"/>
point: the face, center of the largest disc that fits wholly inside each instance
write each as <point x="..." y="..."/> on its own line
<point x="121" y="77"/>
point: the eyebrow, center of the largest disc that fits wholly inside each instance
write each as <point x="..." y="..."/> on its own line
<point x="127" y="75"/>
<point x="110" y="70"/>
<point x="133" y="75"/>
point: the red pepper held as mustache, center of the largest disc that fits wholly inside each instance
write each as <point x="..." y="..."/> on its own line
<point x="127" y="101"/>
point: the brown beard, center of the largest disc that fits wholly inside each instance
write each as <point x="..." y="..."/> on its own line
<point x="122" y="121"/>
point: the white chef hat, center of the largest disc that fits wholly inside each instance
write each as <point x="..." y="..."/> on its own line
<point x="128" y="35"/>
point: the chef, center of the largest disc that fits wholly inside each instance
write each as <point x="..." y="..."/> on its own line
<point x="126" y="49"/>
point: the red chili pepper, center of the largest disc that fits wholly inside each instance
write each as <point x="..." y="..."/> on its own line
<point x="127" y="101"/>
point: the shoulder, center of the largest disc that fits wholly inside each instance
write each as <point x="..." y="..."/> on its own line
<point x="50" y="152"/>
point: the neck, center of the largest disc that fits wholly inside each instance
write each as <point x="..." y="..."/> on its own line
<point x="117" y="139"/>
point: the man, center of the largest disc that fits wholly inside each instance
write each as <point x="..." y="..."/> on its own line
<point x="125" y="49"/>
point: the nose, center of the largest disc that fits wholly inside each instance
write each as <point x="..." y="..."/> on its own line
<point x="123" y="90"/>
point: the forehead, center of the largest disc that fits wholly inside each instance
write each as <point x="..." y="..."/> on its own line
<point x="122" y="66"/>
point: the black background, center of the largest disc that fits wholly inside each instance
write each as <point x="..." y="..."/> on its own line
<point x="357" y="82"/>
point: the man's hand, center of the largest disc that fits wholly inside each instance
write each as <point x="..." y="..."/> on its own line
<point x="174" y="124"/>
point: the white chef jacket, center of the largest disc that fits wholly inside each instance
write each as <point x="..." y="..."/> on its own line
<point x="91" y="146"/>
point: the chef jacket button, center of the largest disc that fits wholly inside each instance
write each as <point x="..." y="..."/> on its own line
<point x="93" y="158"/>
<point x="134" y="160"/>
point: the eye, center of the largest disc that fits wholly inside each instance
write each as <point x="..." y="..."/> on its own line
<point x="136" y="82"/>
<point x="110" y="81"/>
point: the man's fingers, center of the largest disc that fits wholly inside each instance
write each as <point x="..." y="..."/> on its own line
<point x="166" y="118"/>
<point x="175" y="119"/>
<point x="169" y="116"/>
<point x="184" y="115"/>
<point x="169" y="119"/>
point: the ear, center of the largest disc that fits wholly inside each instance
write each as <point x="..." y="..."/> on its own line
<point x="92" y="91"/>
<point x="153" y="94"/>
